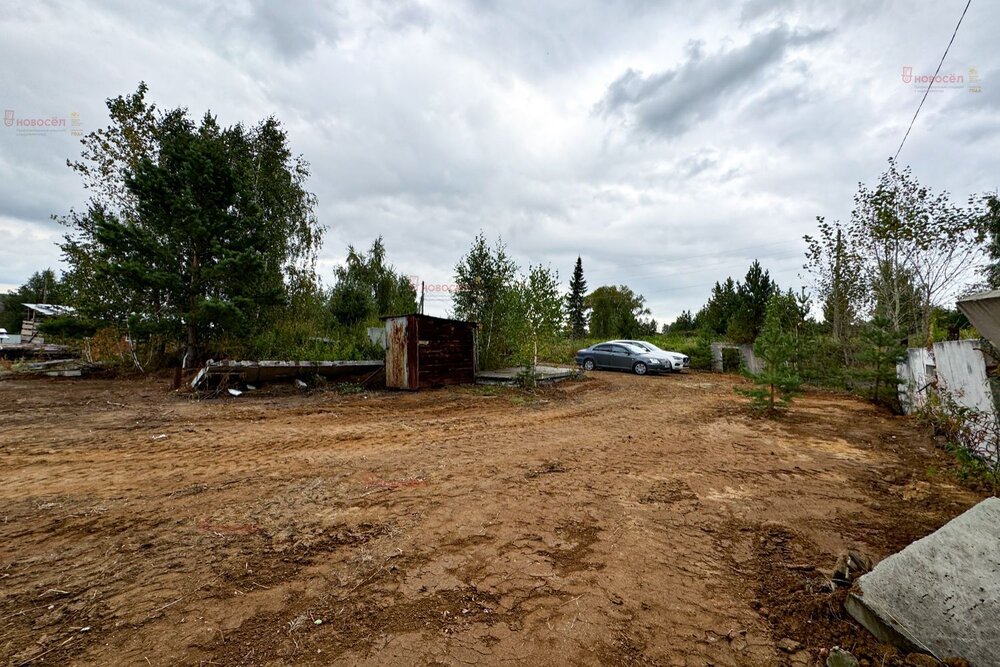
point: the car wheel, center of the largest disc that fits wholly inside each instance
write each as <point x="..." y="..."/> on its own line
<point x="588" y="365"/>
<point x="639" y="368"/>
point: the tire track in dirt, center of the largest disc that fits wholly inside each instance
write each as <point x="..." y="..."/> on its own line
<point x="611" y="521"/>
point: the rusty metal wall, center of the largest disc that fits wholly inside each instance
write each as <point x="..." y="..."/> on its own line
<point x="424" y="351"/>
<point x="397" y="353"/>
<point x="447" y="351"/>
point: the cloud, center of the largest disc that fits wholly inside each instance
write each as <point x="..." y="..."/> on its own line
<point x="719" y="133"/>
<point x="670" y="102"/>
<point x="291" y="33"/>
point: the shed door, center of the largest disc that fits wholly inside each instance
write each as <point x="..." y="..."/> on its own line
<point x="396" y="353"/>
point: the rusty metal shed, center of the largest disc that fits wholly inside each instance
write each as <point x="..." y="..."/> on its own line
<point x="424" y="351"/>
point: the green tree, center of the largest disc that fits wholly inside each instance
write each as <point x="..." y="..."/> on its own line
<point x="576" y="309"/>
<point x="192" y="231"/>
<point x="683" y="324"/>
<point x="488" y="294"/>
<point x="715" y="316"/>
<point x="778" y="380"/>
<point x="752" y="298"/>
<point x="839" y="276"/>
<point x="368" y="288"/>
<point x="917" y="245"/>
<point x="541" y="311"/>
<point x="42" y="287"/>
<point x="989" y="221"/>
<point x="880" y="352"/>
<point x="898" y="299"/>
<point x="792" y="312"/>
<point x="616" y="312"/>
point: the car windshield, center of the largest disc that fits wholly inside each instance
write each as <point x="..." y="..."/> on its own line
<point x="644" y="346"/>
<point x="634" y="348"/>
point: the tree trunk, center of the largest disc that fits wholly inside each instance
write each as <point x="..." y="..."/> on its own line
<point x="191" y="345"/>
<point x="191" y="330"/>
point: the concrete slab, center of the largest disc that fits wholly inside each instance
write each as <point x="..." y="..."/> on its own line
<point x="272" y="371"/>
<point x="941" y="594"/>
<point x="510" y="375"/>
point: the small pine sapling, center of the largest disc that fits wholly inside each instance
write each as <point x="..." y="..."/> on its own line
<point x="778" y="380"/>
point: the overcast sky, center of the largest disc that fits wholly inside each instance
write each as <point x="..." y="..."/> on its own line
<point x="667" y="143"/>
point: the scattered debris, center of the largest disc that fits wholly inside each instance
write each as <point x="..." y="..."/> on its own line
<point x="300" y="384"/>
<point x="237" y="392"/>
<point x="374" y="482"/>
<point x="548" y="468"/>
<point x="850" y="566"/>
<point x="56" y="368"/>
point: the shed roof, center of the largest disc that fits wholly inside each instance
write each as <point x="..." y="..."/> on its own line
<point x="50" y="309"/>
<point x="431" y="317"/>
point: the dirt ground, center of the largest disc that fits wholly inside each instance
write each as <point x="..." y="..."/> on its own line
<point x="618" y="520"/>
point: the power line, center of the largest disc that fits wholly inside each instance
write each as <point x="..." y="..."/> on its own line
<point x="685" y="258"/>
<point x="936" y="72"/>
<point x="704" y="267"/>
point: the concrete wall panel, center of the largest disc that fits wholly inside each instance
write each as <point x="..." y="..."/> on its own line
<point x="961" y="369"/>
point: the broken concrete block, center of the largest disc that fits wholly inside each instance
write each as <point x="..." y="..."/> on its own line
<point x="940" y="595"/>
<point x="840" y="658"/>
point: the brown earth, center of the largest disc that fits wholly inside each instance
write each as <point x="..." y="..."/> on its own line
<point x="619" y="520"/>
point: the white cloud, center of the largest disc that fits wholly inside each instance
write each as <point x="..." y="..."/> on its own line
<point x="722" y="130"/>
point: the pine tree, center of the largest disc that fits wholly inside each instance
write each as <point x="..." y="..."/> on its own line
<point x="752" y="298"/>
<point x="193" y="231"/>
<point x="879" y="355"/>
<point x="778" y="381"/>
<point x="576" y="311"/>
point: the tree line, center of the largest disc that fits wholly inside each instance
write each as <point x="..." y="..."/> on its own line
<point x="199" y="241"/>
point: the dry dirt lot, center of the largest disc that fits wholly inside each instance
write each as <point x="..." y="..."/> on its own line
<point x="619" y="520"/>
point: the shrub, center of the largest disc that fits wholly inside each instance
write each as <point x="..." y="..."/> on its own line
<point x="973" y="436"/>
